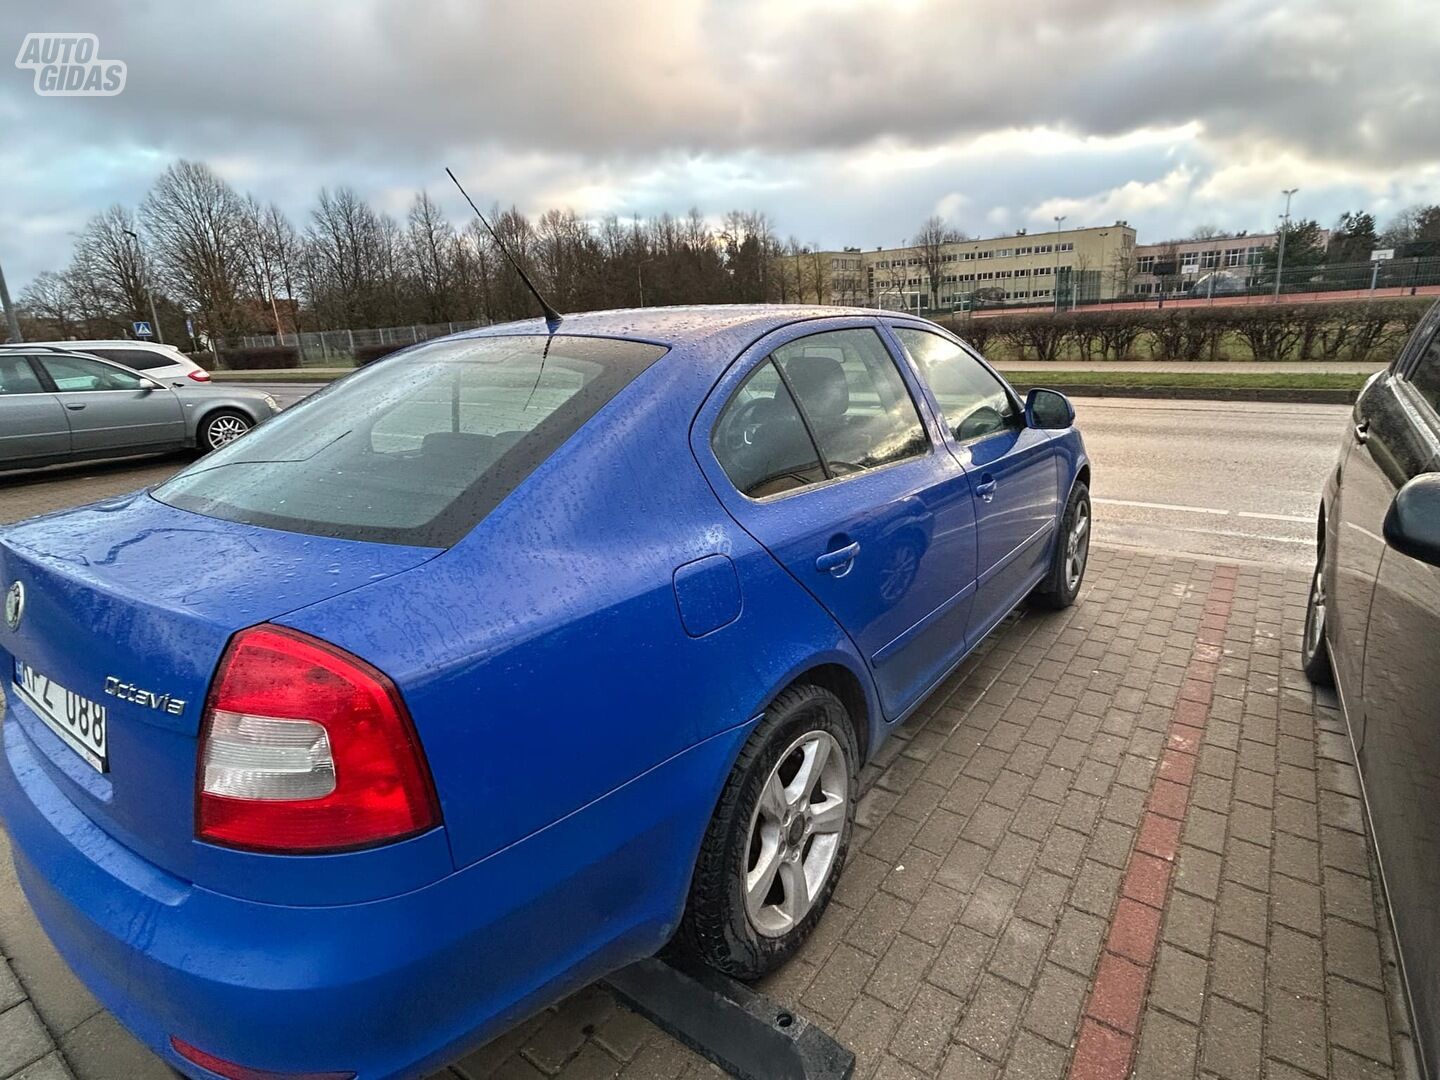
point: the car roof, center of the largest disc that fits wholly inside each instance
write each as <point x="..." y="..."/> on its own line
<point x="108" y="343"/>
<point x="682" y="325"/>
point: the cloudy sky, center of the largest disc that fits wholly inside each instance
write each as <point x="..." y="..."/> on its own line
<point x="848" y="121"/>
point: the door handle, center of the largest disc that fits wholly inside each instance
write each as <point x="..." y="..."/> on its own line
<point x="1362" y="431"/>
<point x="74" y="406"/>
<point x="837" y="562"/>
<point x="986" y="487"/>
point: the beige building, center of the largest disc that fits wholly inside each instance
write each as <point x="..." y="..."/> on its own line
<point x="1175" y="265"/>
<point x="1089" y="264"/>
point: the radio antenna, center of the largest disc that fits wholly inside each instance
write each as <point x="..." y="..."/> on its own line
<point x="552" y="317"/>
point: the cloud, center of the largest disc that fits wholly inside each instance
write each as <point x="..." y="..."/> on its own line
<point x="849" y="121"/>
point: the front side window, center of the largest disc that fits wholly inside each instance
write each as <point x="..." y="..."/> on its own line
<point x="78" y="373"/>
<point x="17" y="377"/>
<point x="853" y="398"/>
<point x="418" y="450"/>
<point x="760" y="440"/>
<point x="974" y="402"/>
<point x="1426" y="376"/>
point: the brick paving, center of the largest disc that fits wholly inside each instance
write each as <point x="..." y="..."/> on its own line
<point x="1122" y="837"/>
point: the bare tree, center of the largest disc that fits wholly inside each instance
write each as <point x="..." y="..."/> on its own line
<point x="196" y="222"/>
<point x="930" y="243"/>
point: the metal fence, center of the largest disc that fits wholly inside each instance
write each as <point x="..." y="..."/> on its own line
<point x="336" y="348"/>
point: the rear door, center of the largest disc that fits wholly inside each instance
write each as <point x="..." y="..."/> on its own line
<point x="1014" y="471"/>
<point x="816" y="445"/>
<point x="112" y="409"/>
<point x="32" y="421"/>
<point x="1400" y="691"/>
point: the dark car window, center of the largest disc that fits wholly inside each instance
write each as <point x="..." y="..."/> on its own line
<point x="760" y="440"/>
<point x="72" y="373"/>
<point x="139" y="359"/>
<point x="974" y="402"/>
<point x="854" y="399"/>
<point x="17" y="377"/>
<point x="416" y="450"/>
<point x="1426" y="375"/>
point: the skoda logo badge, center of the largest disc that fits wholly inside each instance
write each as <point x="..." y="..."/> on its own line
<point x="14" y="605"/>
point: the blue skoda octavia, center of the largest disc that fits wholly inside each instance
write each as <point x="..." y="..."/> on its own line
<point x="503" y="663"/>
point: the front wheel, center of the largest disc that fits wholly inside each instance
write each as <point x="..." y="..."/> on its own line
<point x="777" y="842"/>
<point x="222" y="427"/>
<point x="1072" y="553"/>
<point x="1314" y="653"/>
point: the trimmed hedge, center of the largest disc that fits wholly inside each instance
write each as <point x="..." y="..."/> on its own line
<point x="368" y="354"/>
<point x="266" y="358"/>
<point x="1349" y="330"/>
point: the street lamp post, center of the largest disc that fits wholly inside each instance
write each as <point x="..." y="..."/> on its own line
<point x="1059" y="231"/>
<point x="149" y="293"/>
<point x="11" y="321"/>
<point x="1284" y="228"/>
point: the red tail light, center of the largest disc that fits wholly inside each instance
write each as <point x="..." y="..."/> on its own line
<point x="231" y="1071"/>
<point x="199" y="376"/>
<point x="305" y="748"/>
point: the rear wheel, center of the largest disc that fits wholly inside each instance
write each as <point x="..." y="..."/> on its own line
<point x="1072" y="553"/>
<point x="224" y="426"/>
<point x="1314" y="652"/>
<point x="776" y="845"/>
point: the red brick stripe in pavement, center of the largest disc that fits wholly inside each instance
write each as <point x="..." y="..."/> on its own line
<point x="1110" y="1028"/>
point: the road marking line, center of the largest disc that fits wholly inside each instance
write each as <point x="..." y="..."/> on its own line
<point x="1162" y="506"/>
<point x="1274" y="517"/>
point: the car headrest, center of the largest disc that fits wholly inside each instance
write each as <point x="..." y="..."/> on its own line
<point x="819" y="382"/>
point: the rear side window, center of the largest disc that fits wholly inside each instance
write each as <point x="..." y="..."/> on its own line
<point x="854" y="399"/>
<point x="974" y="402"/>
<point x="17" y="377"/>
<point x="139" y="359"/>
<point x="416" y="450"/>
<point x="760" y="440"/>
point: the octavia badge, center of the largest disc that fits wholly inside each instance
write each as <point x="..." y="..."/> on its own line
<point x="14" y="605"/>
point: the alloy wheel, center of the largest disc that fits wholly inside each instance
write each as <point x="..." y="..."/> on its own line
<point x="224" y="429"/>
<point x="1077" y="546"/>
<point x="1315" y="613"/>
<point x="795" y="833"/>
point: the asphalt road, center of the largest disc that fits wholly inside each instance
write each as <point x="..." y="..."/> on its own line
<point x="1237" y="479"/>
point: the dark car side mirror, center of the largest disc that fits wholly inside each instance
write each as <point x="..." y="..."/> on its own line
<point x="1048" y="409"/>
<point x="1412" y="527"/>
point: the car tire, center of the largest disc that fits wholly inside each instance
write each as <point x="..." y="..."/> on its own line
<point x="221" y="427"/>
<point x="1072" y="554"/>
<point x="771" y="823"/>
<point x="1314" y="652"/>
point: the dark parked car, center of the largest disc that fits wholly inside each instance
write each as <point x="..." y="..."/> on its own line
<point x="1373" y="628"/>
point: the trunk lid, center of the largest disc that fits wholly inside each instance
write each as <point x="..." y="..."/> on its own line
<point x="129" y="604"/>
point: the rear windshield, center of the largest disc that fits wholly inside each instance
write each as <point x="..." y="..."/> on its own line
<point x="135" y="359"/>
<point x="420" y="447"/>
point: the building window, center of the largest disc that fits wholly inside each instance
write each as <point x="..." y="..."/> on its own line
<point x="1209" y="260"/>
<point x="1145" y="264"/>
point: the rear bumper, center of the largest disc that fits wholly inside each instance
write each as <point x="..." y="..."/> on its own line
<point x="388" y="988"/>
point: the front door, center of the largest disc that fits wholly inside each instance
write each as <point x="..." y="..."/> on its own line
<point x="830" y="464"/>
<point x="1014" y="471"/>
<point x="111" y="409"/>
<point x="1400" y="689"/>
<point x="32" y="423"/>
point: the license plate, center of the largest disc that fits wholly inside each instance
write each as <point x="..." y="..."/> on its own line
<point x="80" y="722"/>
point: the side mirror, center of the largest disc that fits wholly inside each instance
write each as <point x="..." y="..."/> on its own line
<point x="1412" y="526"/>
<point x="1048" y="409"/>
